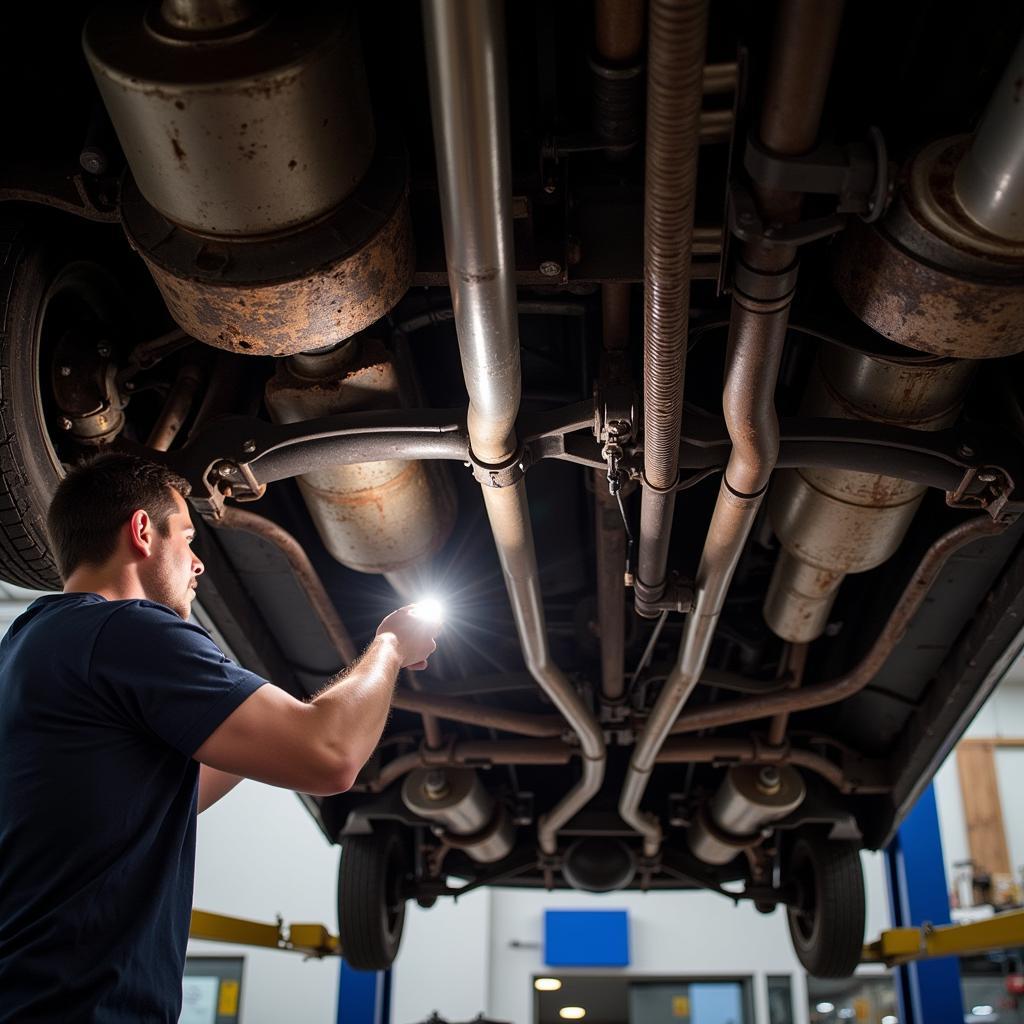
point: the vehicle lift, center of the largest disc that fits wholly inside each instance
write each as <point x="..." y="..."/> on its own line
<point x="922" y="947"/>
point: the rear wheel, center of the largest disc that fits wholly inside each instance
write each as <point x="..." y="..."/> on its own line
<point x="371" y="898"/>
<point x="826" y="923"/>
<point x="51" y="289"/>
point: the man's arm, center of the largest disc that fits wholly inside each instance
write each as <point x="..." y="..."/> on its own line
<point x="319" y="747"/>
<point x="214" y="784"/>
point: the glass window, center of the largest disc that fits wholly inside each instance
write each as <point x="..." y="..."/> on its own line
<point x="862" y="999"/>
<point x="620" y="1000"/>
<point x="780" y="1000"/>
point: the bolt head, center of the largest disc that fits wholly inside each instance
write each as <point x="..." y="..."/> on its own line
<point x="965" y="451"/>
<point x="550" y="268"/>
<point x="248" y="447"/>
<point x="103" y="349"/>
<point x="769" y="779"/>
<point x="65" y="423"/>
<point x="435" y="785"/>
<point x="65" y="371"/>
<point x="224" y="470"/>
<point x="129" y="385"/>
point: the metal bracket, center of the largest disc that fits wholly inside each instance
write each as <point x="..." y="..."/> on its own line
<point x="678" y="597"/>
<point x="857" y="174"/>
<point x="501" y="474"/>
<point x="993" y="495"/>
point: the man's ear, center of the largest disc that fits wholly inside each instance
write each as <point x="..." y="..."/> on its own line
<point x="140" y="532"/>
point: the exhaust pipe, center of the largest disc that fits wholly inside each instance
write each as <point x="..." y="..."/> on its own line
<point x="765" y="279"/>
<point x="675" y="63"/>
<point x="469" y="105"/>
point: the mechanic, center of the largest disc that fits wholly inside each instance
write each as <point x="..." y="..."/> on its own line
<point x="119" y="719"/>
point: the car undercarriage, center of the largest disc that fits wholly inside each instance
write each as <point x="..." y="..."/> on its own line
<point x="673" y="346"/>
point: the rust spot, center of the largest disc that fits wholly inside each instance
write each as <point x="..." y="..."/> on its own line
<point x="293" y="315"/>
<point x="179" y="104"/>
<point x="179" y="153"/>
<point x="292" y="164"/>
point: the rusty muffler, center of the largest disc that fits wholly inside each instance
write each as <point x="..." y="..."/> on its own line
<point x="271" y="216"/>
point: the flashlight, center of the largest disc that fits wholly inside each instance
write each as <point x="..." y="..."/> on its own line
<point x="429" y="608"/>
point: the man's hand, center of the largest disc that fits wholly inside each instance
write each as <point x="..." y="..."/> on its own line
<point x="414" y="635"/>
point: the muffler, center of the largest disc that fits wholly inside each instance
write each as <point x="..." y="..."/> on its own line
<point x="456" y="800"/>
<point x="375" y="517"/>
<point x="832" y="522"/>
<point x="749" y="799"/>
<point x="271" y="216"/>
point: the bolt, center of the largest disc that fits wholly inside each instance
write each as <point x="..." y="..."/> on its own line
<point x="225" y="469"/>
<point x="65" y="423"/>
<point x="988" y="477"/>
<point x="65" y="371"/>
<point x="550" y="186"/>
<point x="249" y="446"/>
<point x="769" y="779"/>
<point x="435" y="785"/>
<point x="129" y="385"/>
<point x="965" y="451"/>
<point x="549" y="268"/>
<point x="103" y="349"/>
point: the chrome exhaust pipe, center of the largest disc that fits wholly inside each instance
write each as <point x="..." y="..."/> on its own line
<point x="469" y="104"/>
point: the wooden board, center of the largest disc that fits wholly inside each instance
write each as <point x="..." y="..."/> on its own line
<point x="986" y="834"/>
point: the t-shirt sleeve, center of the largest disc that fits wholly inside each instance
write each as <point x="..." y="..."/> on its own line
<point x="166" y="675"/>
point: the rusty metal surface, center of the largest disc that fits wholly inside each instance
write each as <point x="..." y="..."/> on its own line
<point x="846" y="685"/>
<point x="454" y="709"/>
<point x="923" y="306"/>
<point x="306" y="576"/>
<point x="375" y="517"/>
<point x="326" y="304"/>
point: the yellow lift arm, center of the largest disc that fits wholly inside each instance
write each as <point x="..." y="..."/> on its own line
<point x="312" y="940"/>
<point x="902" y="945"/>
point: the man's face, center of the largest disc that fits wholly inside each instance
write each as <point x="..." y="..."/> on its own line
<point x="175" y="569"/>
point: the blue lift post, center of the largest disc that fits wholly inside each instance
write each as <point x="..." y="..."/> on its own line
<point x="364" y="997"/>
<point x="929" y="992"/>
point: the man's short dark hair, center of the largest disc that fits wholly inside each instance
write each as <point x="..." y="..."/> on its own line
<point x="98" y="497"/>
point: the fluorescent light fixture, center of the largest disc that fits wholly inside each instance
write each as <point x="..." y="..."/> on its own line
<point x="890" y="1019"/>
<point x="547" y="984"/>
<point x="982" y="1011"/>
<point x="825" y="1007"/>
<point x="572" y="1013"/>
<point x="847" y="1013"/>
<point x="430" y="608"/>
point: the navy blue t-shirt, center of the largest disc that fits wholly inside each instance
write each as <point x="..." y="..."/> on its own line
<point x="102" y="705"/>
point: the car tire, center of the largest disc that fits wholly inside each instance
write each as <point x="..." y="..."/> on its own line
<point x="44" y="263"/>
<point x="371" y="898"/>
<point x="826" y="923"/>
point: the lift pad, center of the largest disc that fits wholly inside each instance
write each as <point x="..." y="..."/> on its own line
<point x="904" y="945"/>
<point x="312" y="940"/>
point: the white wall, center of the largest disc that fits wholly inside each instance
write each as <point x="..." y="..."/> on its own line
<point x="259" y="855"/>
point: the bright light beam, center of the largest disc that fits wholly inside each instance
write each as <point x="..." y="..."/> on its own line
<point x="429" y="608"/>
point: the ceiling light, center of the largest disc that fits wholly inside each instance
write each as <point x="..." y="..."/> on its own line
<point x="572" y="1013"/>
<point x="547" y="984"/>
<point x="825" y="1007"/>
<point x="890" y="1019"/>
<point x="846" y="1013"/>
<point x="982" y="1011"/>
